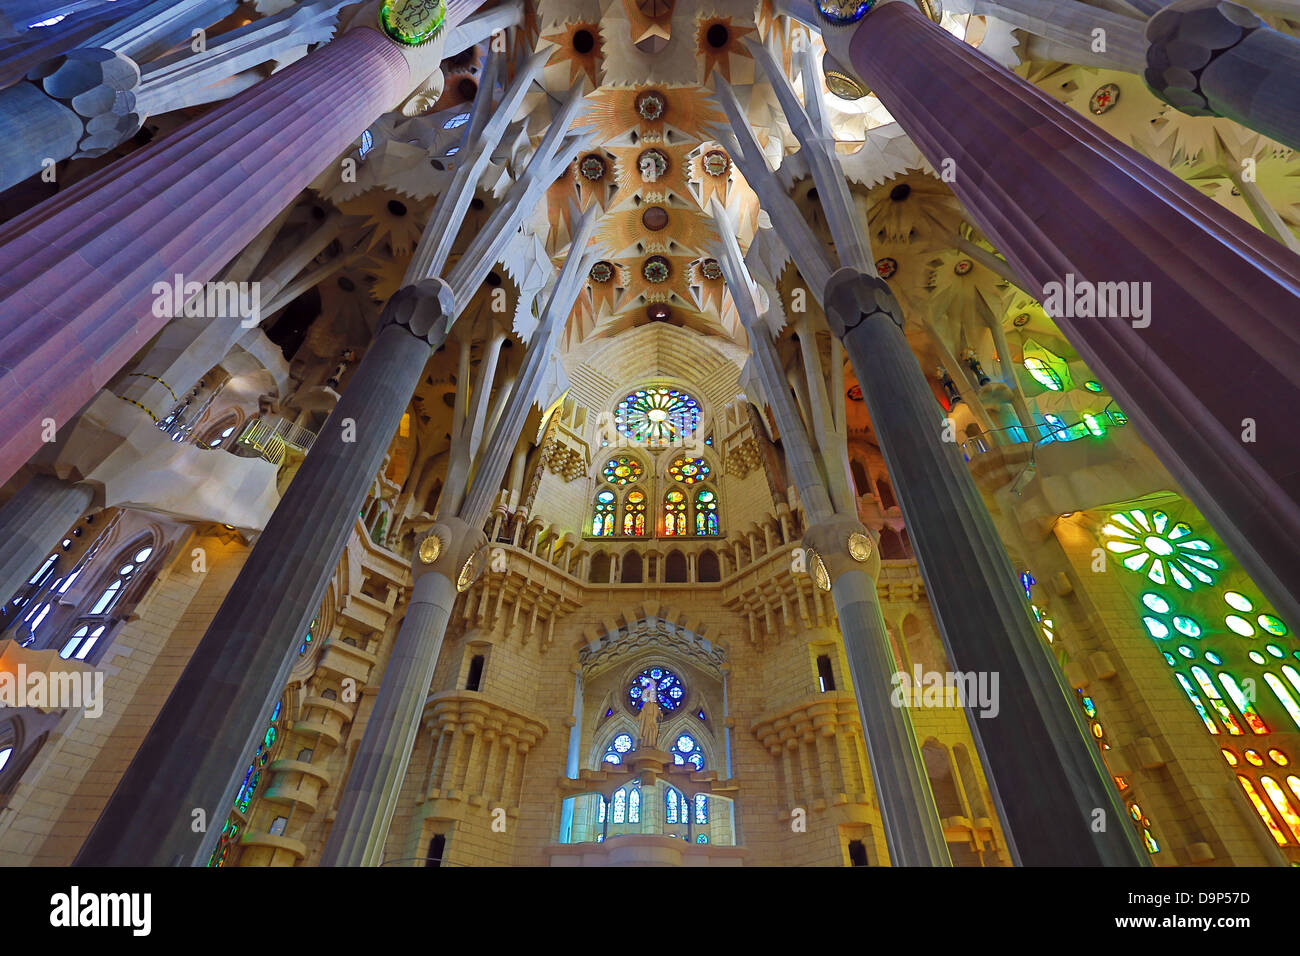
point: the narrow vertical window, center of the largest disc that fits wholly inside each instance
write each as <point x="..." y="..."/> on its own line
<point x="825" y="676"/>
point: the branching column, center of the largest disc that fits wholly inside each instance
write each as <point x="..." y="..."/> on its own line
<point x="1205" y="358"/>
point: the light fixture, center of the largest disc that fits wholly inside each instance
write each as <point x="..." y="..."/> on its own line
<point x="430" y="548"/>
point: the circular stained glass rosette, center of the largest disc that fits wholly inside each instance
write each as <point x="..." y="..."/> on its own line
<point x="710" y="269"/>
<point x="651" y="105"/>
<point x="622" y="471"/>
<point x="689" y="470"/>
<point x="1166" y="553"/>
<point x="592" y="168"/>
<point x="656" y="269"/>
<point x="886" y="267"/>
<point x="716" y="162"/>
<point x="412" y="22"/>
<point x="657" y="415"/>
<point x="1104" y="99"/>
<point x="844" y="11"/>
<point x="671" y="691"/>
<point x="602" y="272"/>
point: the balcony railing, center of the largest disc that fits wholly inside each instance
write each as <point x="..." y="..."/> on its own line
<point x="272" y="437"/>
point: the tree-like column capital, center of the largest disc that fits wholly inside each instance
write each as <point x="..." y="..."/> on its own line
<point x="1186" y="37"/>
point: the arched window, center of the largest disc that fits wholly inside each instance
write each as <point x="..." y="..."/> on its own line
<point x="112" y="592"/>
<point x="602" y="520"/>
<point x="634" y="513"/>
<point x="708" y="568"/>
<point x="631" y="568"/>
<point x="626" y="806"/>
<point x="674" y="806"/>
<point x="675" y="513"/>
<point x="701" y="808"/>
<point x="216" y="436"/>
<point x="82" y="641"/>
<point x="706" y="512"/>
<point x="675" y="568"/>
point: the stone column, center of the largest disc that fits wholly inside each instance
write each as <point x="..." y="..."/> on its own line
<point x="907" y="808"/>
<point x="1045" y="774"/>
<point x="77" y="272"/>
<point x="208" y="724"/>
<point x="34" y="522"/>
<point x="1211" y="356"/>
<point x="375" y="779"/>
<point x="1217" y="58"/>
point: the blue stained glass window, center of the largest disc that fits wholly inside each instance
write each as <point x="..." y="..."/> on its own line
<point x="686" y="750"/>
<point x="617" y="747"/>
<point x="367" y="144"/>
<point x="671" y="690"/>
<point x="701" y="808"/>
<point x="457" y="121"/>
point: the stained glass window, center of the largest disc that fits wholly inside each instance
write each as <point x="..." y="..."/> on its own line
<point x="253" y="775"/>
<point x="673" y="803"/>
<point x="1165" y="552"/>
<point x="622" y="471"/>
<point x="671" y="690"/>
<point x="706" y="512"/>
<point x="602" y="520"/>
<point x="686" y="750"/>
<point x="634" y="806"/>
<point x="81" y="642"/>
<point x="689" y="470"/>
<point x="701" y="808"/>
<point x="617" y="747"/>
<point x="634" y="513"/>
<point x="657" y="416"/>
<point x="674" y="513"/>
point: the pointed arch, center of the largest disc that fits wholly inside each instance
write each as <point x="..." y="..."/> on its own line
<point x="634" y="513"/>
<point x="675" y="523"/>
<point x="602" y="513"/>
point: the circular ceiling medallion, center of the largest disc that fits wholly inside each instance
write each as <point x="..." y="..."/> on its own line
<point x="1104" y="99"/>
<point x="412" y="22"/>
<point x="592" y="167"/>
<point x="716" y="162"/>
<point x="651" y="105"/>
<point x="886" y="267"/>
<point x="652" y="165"/>
<point x="963" y="266"/>
<point x="430" y="548"/>
<point x="472" y="569"/>
<point x="1021" y="320"/>
<point x="854" y="393"/>
<point x="656" y="269"/>
<point x="817" y="568"/>
<point x="844" y="11"/>
<point x="602" y="271"/>
<point x="859" y="546"/>
<point x="710" y="269"/>
<point x="654" y="218"/>
<point x="658" y="312"/>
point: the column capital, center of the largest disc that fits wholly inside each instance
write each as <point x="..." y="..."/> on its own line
<point x="1186" y="37"/>
<point x="843" y="544"/>
<point x="853" y="297"/>
<point x="425" y="309"/>
<point x="100" y="87"/>
<point x="453" y="549"/>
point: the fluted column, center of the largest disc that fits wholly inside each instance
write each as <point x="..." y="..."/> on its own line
<point x="218" y="706"/>
<point x="34" y="521"/>
<point x="370" y="796"/>
<point x="455" y="550"/>
<point x="1045" y="773"/>
<point x="1209" y="373"/>
<point x="77" y="272"/>
<point x="907" y="808"/>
